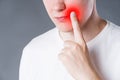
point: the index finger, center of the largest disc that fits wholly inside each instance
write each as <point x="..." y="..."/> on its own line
<point x="76" y="29"/>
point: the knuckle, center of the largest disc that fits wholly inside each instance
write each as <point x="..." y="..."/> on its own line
<point x="76" y="46"/>
<point x="66" y="52"/>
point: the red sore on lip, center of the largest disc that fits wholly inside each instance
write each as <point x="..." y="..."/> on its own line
<point x="77" y="10"/>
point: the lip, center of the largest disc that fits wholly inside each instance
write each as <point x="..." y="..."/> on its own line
<point x="61" y="19"/>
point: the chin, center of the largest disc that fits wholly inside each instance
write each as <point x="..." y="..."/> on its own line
<point x="65" y="27"/>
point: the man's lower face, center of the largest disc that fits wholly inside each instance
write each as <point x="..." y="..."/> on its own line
<point x="65" y="22"/>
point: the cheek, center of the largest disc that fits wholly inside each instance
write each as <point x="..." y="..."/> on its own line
<point x="79" y="13"/>
<point x="78" y="10"/>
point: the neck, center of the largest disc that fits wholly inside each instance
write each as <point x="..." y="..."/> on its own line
<point x="90" y="29"/>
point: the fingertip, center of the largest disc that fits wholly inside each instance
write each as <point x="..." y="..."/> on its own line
<point x="72" y="14"/>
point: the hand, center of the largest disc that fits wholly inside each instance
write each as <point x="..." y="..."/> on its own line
<point x="75" y="55"/>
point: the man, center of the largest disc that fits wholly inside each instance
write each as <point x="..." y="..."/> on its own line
<point x="88" y="52"/>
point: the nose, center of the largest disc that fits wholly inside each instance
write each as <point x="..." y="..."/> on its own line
<point x="59" y="5"/>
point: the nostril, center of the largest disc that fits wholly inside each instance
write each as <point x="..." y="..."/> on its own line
<point x="59" y="6"/>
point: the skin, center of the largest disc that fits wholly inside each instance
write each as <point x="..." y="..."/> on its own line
<point x="75" y="54"/>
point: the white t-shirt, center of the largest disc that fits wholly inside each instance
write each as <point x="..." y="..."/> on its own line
<point x="40" y="57"/>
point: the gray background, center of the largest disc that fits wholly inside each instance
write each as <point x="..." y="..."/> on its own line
<point x="22" y="20"/>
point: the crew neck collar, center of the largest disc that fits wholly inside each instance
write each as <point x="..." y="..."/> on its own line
<point x="100" y="35"/>
<point x="94" y="40"/>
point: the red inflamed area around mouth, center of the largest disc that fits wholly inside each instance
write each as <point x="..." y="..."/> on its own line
<point x="77" y="10"/>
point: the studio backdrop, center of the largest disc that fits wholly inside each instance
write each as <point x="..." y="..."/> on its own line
<point x="22" y="20"/>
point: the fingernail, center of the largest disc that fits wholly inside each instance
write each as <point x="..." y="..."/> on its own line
<point x="72" y="14"/>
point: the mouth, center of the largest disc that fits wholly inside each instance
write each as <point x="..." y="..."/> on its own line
<point x="61" y="19"/>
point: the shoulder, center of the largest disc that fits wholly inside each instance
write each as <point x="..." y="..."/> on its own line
<point x="114" y="39"/>
<point x="40" y="44"/>
<point x="115" y="32"/>
<point x="41" y="40"/>
<point x="115" y="29"/>
<point x="35" y="53"/>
